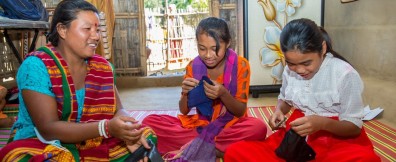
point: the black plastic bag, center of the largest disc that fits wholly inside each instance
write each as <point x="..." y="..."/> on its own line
<point x="294" y="148"/>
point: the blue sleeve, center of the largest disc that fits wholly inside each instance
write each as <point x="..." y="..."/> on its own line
<point x="33" y="75"/>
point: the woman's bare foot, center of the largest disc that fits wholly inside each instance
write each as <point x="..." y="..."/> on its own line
<point x="7" y="122"/>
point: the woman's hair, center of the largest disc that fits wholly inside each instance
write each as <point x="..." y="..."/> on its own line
<point x="329" y="45"/>
<point x="65" y="12"/>
<point x="305" y="36"/>
<point x="215" y="28"/>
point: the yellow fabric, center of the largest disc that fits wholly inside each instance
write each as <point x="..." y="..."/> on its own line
<point x="90" y="143"/>
<point x="62" y="155"/>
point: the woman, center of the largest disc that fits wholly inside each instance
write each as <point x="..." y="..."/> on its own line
<point x="224" y="120"/>
<point x="69" y="106"/>
<point x="326" y="93"/>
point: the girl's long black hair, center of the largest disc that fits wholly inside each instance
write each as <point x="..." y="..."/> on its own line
<point x="304" y="35"/>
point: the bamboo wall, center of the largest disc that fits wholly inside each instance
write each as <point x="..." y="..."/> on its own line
<point x="129" y="39"/>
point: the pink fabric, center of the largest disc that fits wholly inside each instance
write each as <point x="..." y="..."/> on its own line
<point x="246" y="128"/>
<point x="171" y="135"/>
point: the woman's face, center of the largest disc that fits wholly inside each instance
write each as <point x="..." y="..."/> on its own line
<point x="83" y="35"/>
<point x="304" y="64"/>
<point x="207" y="51"/>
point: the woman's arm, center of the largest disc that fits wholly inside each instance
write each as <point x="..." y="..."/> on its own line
<point x="183" y="104"/>
<point x="237" y="104"/>
<point x="233" y="105"/>
<point x="279" y="115"/>
<point x="43" y="111"/>
<point x="125" y="118"/>
<point x="236" y="107"/>
<point x="283" y="107"/>
<point x="187" y="85"/>
<point x="132" y="131"/>
<point x="120" y="111"/>
<point x="311" y="124"/>
<point x="51" y="128"/>
<point x="340" y="128"/>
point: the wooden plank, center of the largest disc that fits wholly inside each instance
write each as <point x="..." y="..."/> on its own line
<point x="127" y="14"/>
<point x="142" y="29"/>
<point x="23" y="24"/>
<point x="128" y="71"/>
<point x="228" y="6"/>
<point x="127" y="17"/>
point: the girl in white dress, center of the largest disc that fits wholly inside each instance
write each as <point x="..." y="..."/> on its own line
<point x="325" y="92"/>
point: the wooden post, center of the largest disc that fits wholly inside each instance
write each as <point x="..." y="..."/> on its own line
<point x="124" y="49"/>
<point x="142" y="29"/>
<point x="240" y="28"/>
<point x="214" y="8"/>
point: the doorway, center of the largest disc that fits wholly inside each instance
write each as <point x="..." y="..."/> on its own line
<point x="170" y="34"/>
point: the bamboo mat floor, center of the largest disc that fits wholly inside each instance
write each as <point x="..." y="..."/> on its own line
<point x="382" y="136"/>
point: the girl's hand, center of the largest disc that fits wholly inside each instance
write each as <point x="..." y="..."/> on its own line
<point x="124" y="128"/>
<point x="307" y="125"/>
<point x="188" y="84"/>
<point x="214" y="91"/>
<point x="277" y="120"/>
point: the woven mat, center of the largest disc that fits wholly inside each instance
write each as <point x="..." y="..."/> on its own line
<point x="382" y="136"/>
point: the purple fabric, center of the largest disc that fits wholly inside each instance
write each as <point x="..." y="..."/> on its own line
<point x="203" y="148"/>
<point x="230" y="71"/>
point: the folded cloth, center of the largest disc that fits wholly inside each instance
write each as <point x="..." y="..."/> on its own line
<point x="294" y="148"/>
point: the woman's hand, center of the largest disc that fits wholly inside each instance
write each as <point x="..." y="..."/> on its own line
<point x="307" y="125"/>
<point x="277" y="120"/>
<point x="188" y="84"/>
<point x="214" y="91"/>
<point x="124" y="128"/>
<point x="134" y="145"/>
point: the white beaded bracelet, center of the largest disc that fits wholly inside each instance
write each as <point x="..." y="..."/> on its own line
<point x="104" y="129"/>
<point x="101" y="128"/>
